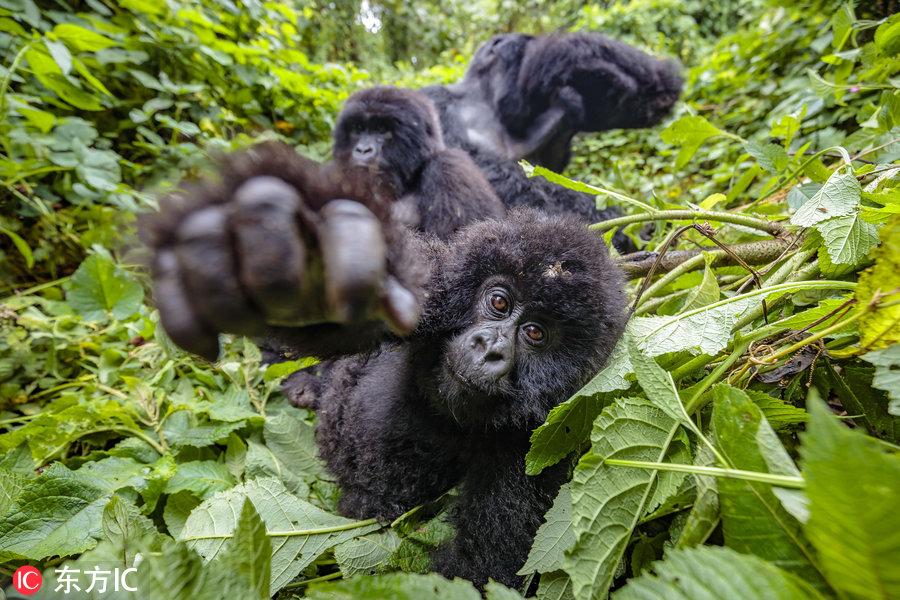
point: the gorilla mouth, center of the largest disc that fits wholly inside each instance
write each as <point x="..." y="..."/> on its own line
<point x="481" y="388"/>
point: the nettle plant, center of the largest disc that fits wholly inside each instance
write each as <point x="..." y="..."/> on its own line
<point x="741" y="443"/>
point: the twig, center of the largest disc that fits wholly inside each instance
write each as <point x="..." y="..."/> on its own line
<point x="752" y="253"/>
<point x="771" y="227"/>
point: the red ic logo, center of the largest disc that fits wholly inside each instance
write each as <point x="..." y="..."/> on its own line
<point x="27" y="580"/>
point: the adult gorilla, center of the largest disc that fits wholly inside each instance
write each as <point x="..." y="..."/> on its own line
<point x="526" y="96"/>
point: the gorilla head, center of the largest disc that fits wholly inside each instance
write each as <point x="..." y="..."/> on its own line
<point x="530" y="310"/>
<point x="391" y="130"/>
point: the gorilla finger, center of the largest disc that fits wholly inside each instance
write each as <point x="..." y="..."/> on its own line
<point x="269" y="246"/>
<point x="400" y="306"/>
<point x="207" y="265"/>
<point x="354" y="256"/>
<point x="175" y="312"/>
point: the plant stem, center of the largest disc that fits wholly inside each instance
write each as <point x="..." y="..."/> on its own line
<point x="754" y="253"/>
<point x="785" y="481"/>
<point x="294" y="533"/>
<point x="298" y="584"/>
<point x="772" y="227"/>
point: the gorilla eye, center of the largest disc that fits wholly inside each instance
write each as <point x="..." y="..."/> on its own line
<point x="534" y="333"/>
<point x="499" y="302"/>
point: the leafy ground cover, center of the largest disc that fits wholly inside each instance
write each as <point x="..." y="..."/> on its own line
<point x="742" y="443"/>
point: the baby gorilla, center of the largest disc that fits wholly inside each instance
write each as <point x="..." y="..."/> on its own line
<point x="395" y="133"/>
<point x="447" y="354"/>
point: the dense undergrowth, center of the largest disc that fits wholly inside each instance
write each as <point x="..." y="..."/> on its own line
<point x="744" y="435"/>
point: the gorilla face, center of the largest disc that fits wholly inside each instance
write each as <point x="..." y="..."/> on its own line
<point x="528" y="312"/>
<point x="389" y="130"/>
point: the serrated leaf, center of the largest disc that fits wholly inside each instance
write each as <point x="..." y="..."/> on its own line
<point x="715" y="573"/>
<point x="859" y="549"/>
<point x="778" y="413"/>
<point x="887" y="36"/>
<point x="657" y="384"/>
<point x="396" y="586"/>
<point x="608" y="502"/>
<point x="367" y="554"/>
<point x="200" y="477"/>
<point x="839" y="196"/>
<point x="553" y="537"/>
<point x="689" y="132"/>
<point x="568" y="425"/>
<point x="880" y="328"/>
<point x="771" y="157"/>
<point x="848" y="239"/>
<point x="248" y="558"/>
<point x="285" y="516"/>
<point x="753" y="519"/>
<point x="887" y="374"/>
<point x="99" y="289"/>
<point x="57" y="514"/>
<point x="293" y="442"/>
<point x="555" y="586"/>
<point x="708" y="290"/>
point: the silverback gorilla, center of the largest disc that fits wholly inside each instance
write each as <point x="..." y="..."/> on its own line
<point x="446" y="354"/>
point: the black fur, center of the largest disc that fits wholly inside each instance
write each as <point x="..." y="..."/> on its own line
<point x="397" y="429"/>
<point x="438" y="189"/>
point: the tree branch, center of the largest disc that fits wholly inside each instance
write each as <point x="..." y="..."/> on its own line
<point x="753" y="253"/>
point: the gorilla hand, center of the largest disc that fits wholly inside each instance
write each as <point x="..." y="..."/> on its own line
<point x="281" y="241"/>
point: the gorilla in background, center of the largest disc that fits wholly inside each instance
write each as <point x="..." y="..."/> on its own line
<point x="526" y="96"/>
<point x="445" y="354"/>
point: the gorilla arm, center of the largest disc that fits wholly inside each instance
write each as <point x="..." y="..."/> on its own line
<point x="284" y="246"/>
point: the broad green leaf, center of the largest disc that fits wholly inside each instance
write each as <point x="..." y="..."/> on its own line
<point x="839" y="196"/>
<point x="396" y="586"/>
<point x="248" y="558"/>
<point x="293" y="442"/>
<point x="21" y="245"/>
<point x="612" y="376"/>
<point x="842" y="25"/>
<point x="125" y="527"/>
<point x="57" y="514"/>
<point x="689" y="132"/>
<point x="299" y="531"/>
<point x="99" y="289"/>
<point x="61" y="55"/>
<point x="887" y="36"/>
<point x="11" y="485"/>
<point x="753" y="519"/>
<point x="184" y="428"/>
<point x="567" y="427"/>
<point x="853" y="485"/>
<point x="555" y="586"/>
<point x="708" y="290"/>
<point x="715" y="573"/>
<point x="497" y="591"/>
<point x="608" y="502"/>
<point x="771" y="157"/>
<point x="887" y="374"/>
<point x="367" y="554"/>
<point x="41" y="119"/>
<point x="657" y="384"/>
<point x="200" y="477"/>
<point x="880" y="328"/>
<point x="848" y="239"/>
<point x="778" y="413"/>
<point x="283" y="369"/>
<point x="178" y="509"/>
<point x="553" y="537"/>
<point x="81" y="38"/>
<point x="260" y="461"/>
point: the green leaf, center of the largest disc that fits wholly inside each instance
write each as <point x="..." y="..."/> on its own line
<point x="567" y="427"/>
<point x="657" y="384"/>
<point x="248" y="558"/>
<point x="689" y="132"/>
<point x="839" y="196"/>
<point x="21" y="245"/>
<point x="771" y="157"/>
<point x="200" y="477"/>
<point x="753" y="519"/>
<point x="396" y="586"/>
<point x="887" y="36"/>
<point x="842" y="25"/>
<point x="708" y="290"/>
<point x="99" y="289"/>
<point x="367" y="554"/>
<point x="178" y="509"/>
<point x="848" y="239"/>
<point x="300" y="532"/>
<point x="608" y="502"/>
<point x="57" y="514"/>
<point x="778" y="413"/>
<point x="880" y="328"/>
<point x="82" y="39"/>
<point x="887" y="374"/>
<point x="704" y="515"/>
<point x="555" y="586"/>
<point x="61" y="55"/>
<point x="293" y="442"/>
<point x="715" y="573"/>
<point x="283" y="369"/>
<point x="125" y="527"/>
<point x="553" y="537"/>
<point x="859" y="547"/>
<point x="497" y="591"/>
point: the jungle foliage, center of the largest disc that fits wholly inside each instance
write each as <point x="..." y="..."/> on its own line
<point x="742" y="443"/>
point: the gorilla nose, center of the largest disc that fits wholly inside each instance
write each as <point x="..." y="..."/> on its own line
<point x="363" y="150"/>
<point x="496" y="352"/>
